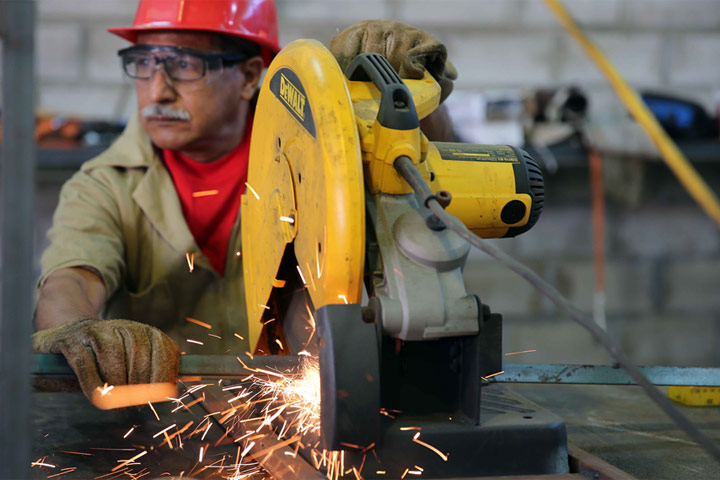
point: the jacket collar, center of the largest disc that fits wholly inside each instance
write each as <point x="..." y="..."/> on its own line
<point x="155" y="193"/>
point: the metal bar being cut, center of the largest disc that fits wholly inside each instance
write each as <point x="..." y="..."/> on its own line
<point x="220" y="366"/>
<point x="17" y="188"/>
<point x="228" y="366"/>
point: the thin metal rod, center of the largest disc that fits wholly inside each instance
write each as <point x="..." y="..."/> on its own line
<point x="17" y="189"/>
<point x="606" y="375"/>
<point x="51" y="365"/>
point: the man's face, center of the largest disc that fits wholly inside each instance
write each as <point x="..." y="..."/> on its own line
<point x="203" y="118"/>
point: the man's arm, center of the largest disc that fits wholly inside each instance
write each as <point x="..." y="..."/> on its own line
<point x="100" y="352"/>
<point x="69" y="294"/>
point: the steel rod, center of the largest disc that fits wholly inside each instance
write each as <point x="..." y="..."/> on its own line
<point x="606" y="375"/>
<point x="224" y="366"/>
<point x="228" y="366"/>
<point x="17" y="189"/>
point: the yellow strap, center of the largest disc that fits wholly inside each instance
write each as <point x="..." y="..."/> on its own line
<point x="677" y="162"/>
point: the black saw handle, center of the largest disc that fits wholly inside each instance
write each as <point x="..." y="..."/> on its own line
<point x="397" y="109"/>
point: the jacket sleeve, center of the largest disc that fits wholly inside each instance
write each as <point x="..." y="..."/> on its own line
<point x="86" y="229"/>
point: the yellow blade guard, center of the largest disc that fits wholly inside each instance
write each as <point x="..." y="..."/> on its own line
<point x="306" y="182"/>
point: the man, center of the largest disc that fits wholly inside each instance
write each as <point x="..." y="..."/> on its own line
<point x="149" y="230"/>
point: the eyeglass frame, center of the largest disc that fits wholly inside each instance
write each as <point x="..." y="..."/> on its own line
<point x="210" y="59"/>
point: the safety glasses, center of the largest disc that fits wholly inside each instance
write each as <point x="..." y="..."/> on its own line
<point x="181" y="64"/>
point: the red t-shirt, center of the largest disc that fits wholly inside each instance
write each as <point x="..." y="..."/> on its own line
<point x="210" y="196"/>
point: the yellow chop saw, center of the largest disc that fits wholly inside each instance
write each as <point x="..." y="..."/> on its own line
<point x="329" y="215"/>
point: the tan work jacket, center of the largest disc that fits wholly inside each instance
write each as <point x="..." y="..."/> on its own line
<point x="120" y="214"/>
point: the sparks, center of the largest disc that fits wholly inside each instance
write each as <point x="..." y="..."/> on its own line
<point x="129" y="432"/>
<point x="252" y="190"/>
<point x="302" y="277"/>
<point x="289" y="220"/>
<point x="493" y="374"/>
<point x="190" y="340"/>
<point x="239" y="336"/>
<point x="205" y="193"/>
<point x="105" y="389"/>
<point x="190" y="257"/>
<point x="343" y="298"/>
<point x="127" y="462"/>
<point x="518" y="353"/>
<point x="206" y="431"/>
<point x="164" y="430"/>
<point x="75" y="453"/>
<point x="202" y="451"/>
<point x="416" y="439"/>
<point x="198" y="322"/>
<point x="153" y="410"/>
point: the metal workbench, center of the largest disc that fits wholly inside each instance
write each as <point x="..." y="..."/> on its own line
<point x="615" y="423"/>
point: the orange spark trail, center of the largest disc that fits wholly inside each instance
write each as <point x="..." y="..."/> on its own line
<point x="302" y="277"/>
<point x="252" y="190"/>
<point x="205" y="193"/>
<point x="493" y="374"/>
<point x="164" y="430"/>
<point x="153" y="410"/>
<point x="198" y="322"/>
<point x="416" y="439"/>
<point x="518" y="353"/>
<point x="126" y="462"/>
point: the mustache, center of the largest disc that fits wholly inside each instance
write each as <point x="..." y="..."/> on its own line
<point x="158" y="110"/>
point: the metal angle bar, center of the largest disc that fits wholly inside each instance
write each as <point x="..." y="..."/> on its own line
<point x="17" y="188"/>
<point x="606" y="375"/>
<point x="225" y="366"/>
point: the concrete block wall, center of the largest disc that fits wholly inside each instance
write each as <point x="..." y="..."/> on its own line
<point x="663" y="260"/>
<point x="662" y="44"/>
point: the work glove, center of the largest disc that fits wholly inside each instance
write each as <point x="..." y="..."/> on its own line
<point x="410" y="51"/>
<point x="116" y="352"/>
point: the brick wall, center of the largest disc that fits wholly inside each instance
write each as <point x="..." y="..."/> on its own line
<point x="663" y="270"/>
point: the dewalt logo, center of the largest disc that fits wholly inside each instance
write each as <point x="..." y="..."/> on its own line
<point x="292" y="96"/>
<point x="287" y="87"/>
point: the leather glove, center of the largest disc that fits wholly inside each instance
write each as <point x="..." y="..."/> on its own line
<point x="116" y="352"/>
<point x="410" y="51"/>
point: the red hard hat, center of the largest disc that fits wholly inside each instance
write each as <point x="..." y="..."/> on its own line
<point x="253" y="20"/>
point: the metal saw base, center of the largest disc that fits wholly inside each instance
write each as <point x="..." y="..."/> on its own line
<point x="515" y="437"/>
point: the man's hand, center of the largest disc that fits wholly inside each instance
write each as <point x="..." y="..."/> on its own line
<point x="410" y="51"/>
<point x="116" y="352"/>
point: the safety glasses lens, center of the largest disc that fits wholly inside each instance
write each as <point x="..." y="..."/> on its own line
<point x="178" y="67"/>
